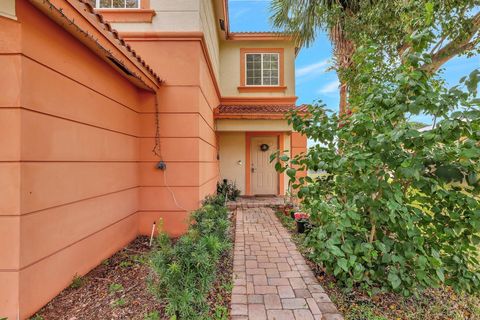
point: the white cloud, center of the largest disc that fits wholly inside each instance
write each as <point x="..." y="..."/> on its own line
<point x="314" y="68"/>
<point x="330" y="87"/>
<point x="240" y="13"/>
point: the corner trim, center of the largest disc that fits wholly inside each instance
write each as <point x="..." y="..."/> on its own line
<point x="127" y="15"/>
<point x="262" y="88"/>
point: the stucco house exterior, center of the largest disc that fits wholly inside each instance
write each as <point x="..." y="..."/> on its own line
<point x="88" y="89"/>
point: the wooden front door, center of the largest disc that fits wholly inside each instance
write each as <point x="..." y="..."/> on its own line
<point x="264" y="178"/>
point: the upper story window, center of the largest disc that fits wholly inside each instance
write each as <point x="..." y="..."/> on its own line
<point x="124" y="10"/>
<point x="117" y="4"/>
<point x="262" y="69"/>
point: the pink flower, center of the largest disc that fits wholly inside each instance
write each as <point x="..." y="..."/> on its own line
<point x="301" y="216"/>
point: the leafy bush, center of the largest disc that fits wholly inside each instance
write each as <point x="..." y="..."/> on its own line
<point x="186" y="269"/>
<point x="386" y="218"/>
<point x="214" y="200"/>
<point x="228" y="189"/>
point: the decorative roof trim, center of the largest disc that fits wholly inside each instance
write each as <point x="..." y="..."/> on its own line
<point x="79" y="19"/>
<point x="256" y="111"/>
<point x="258" y="101"/>
<point x="249" y="36"/>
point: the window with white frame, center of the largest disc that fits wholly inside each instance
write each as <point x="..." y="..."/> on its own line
<point x="262" y="69"/>
<point x="117" y="4"/>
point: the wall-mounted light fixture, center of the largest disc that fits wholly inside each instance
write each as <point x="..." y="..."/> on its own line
<point x="222" y="24"/>
<point x="161" y="165"/>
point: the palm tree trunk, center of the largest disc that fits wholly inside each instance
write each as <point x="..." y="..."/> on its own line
<point x="343" y="98"/>
<point x="343" y="50"/>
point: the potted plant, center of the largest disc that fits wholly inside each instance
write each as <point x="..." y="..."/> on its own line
<point x="301" y="218"/>
<point x="287" y="209"/>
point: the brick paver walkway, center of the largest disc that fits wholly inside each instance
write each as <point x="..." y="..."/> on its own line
<point x="271" y="278"/>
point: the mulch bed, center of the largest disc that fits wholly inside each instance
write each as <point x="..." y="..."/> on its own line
<point x="97" y="295"/>
<point x="433" y="304"/>
<point x="221" y="293"/>
<point x="118" y="289"/>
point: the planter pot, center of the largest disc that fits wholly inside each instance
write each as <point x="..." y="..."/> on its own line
<point x="302" y="226"/>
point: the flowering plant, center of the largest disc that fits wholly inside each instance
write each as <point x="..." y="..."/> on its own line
<point x="301" y="216"/>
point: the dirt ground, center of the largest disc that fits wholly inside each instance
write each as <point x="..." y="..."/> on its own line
<point x="118" y="289"/>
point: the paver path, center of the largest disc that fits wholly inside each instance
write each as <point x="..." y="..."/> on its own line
<point x="271" y="278"/>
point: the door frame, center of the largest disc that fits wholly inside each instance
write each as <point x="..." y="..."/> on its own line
<point x="281" y="146"/>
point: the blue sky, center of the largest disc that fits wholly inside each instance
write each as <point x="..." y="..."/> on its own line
<point x="313" y="80"/>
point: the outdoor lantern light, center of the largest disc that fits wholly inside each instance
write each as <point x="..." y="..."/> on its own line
<point x="161" y="165"/>
<point x="264" y="147"/>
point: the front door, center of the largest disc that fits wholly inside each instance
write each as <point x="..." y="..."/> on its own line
<point x="264" y="178"/>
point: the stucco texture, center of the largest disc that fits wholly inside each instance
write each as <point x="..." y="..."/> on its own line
<point x="77" y="172"/>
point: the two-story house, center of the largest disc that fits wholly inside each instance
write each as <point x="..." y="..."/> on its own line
<point x="115" y="114"/>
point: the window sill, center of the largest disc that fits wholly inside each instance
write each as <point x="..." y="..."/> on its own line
<point x="262" y="88"/>
<point x="127" y="15"/>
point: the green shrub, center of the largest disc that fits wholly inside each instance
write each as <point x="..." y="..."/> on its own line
<point x="115" y="287"/>
<point x="119" y="303"/>
<point x="386" y="218"/>
<point x="77" y="282"/>
<point x="228" y="189"/>
<point x="154" y="315"/>
<point x="186" y="269"/>
<point x="214" y="200"/>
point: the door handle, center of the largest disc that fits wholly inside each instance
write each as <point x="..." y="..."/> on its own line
<point x="253" y="169"/>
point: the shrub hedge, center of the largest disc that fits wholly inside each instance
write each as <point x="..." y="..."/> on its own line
<point x="185" y="269"/>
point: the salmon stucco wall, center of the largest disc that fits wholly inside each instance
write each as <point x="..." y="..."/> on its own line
<point x="188" y="143"/>
<point x="299" y="145"/>
<point x="69" y="128"/>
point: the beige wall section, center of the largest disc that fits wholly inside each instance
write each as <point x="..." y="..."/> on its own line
<point x="7" y="9"/>
<point x="252" y="125"/>
<point x="230" y="67"/>
<point x="210" y="30"/>
<point x="177" y="15"/>
<point x="231" y="151"/>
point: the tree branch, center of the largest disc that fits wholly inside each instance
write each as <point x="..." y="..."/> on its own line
<point x="457" y="46"/>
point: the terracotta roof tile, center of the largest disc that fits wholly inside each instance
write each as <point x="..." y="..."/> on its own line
<point x="258" y="109"/>
<point x="91" y="9"/>
<point x="260" y="32"/>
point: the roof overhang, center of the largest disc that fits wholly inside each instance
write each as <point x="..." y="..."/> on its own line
<point x="271" y="112"/>
<point x="249" y="36"/>
<point x="79" y="19"/>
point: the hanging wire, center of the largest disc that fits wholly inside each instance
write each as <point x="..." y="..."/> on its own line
<point x="157" y="150"/>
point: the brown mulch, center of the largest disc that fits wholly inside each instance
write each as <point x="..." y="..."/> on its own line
<point x="97" y="295"/>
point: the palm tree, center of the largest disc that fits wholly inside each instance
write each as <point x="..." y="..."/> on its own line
<point x="303" y="18"/>
<point x="457" y="27"/>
